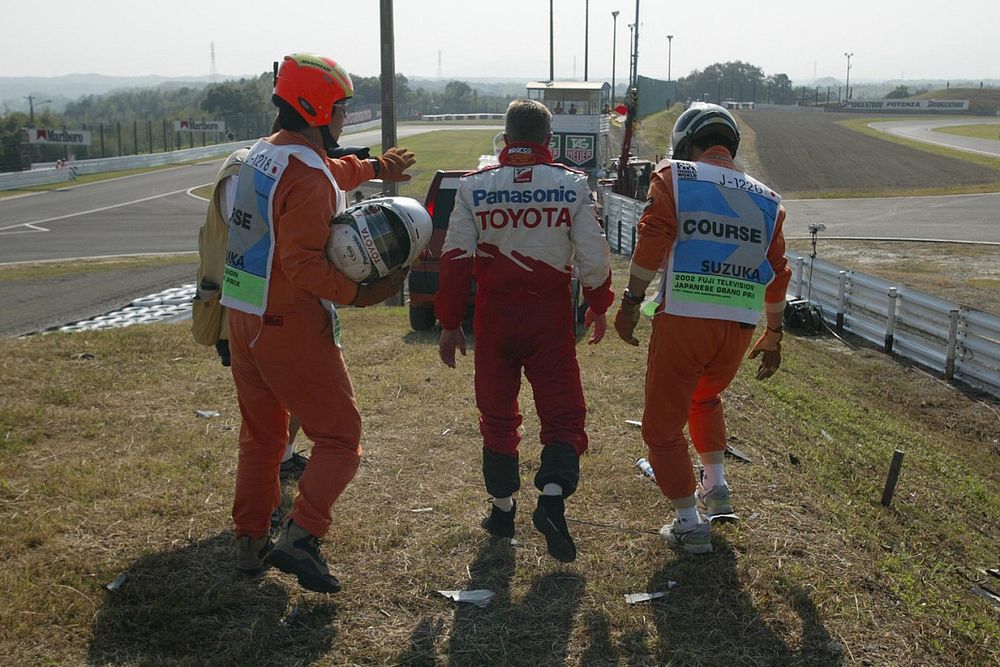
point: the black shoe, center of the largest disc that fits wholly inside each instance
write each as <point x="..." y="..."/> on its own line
<point x="297" y="552"/>
<point x="294" y="467"/>
<point x="500" y="523"/>
<point x="550" y="522"/>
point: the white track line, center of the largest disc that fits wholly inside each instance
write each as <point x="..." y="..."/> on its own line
<point x="93" y="210"/>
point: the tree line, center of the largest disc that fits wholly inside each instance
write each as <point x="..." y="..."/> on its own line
<point x="134" y="121"/>
<point x="128" y="122"/>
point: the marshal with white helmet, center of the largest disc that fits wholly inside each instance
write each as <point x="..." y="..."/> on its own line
<point x="371" y="239"/>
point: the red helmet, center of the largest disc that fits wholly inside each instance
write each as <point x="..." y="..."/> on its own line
<point x="312" y="84"/>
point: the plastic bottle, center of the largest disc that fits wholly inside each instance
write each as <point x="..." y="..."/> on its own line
<point x="647" y="470"/>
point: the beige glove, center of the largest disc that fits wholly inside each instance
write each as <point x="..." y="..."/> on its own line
<point x="370" y="294"/>
<point x="769" y="344"/>
<point x="394" y="162"/>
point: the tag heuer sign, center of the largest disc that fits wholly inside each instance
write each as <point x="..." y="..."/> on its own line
<point x="199" y="126"/>
<point x="555" y="145"/>
<point x="579" y="148"/>
<point x="41" y="135"/>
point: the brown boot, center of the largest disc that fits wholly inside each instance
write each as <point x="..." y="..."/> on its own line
<point x="297" y="552"/>
<point x="250" y="554"/>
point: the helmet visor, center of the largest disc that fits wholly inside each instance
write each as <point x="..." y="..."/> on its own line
<point x="384" y="236"/>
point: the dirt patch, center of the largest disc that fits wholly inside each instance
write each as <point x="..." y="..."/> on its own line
<point x="809" y="154"/>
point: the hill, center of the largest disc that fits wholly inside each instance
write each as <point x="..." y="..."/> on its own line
<point x="63" y="90"/>
<point x="107" y="471"/>
<point x="981" y="100"/>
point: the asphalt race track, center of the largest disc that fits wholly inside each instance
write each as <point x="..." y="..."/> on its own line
<point x="803" y="151"/>
<point x="141" y="214"/>
<point x="924" y="131"/>
<point x="154" y="213"/>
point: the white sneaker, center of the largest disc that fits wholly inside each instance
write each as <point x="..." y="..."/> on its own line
<point x="697" y="540"/>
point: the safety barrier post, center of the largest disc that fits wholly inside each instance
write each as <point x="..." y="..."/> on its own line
<point x="619" y="236"/>
<point x="632" y="249"/>
<point x="949" y="359"/>
<point x="799" y="262"/>
<point x="841" y="300"/>
<point x="890" y="325"/>
<point x="890" y="482"/>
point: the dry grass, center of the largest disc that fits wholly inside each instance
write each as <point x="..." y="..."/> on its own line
<point x="965" y="273"/>
<point x="104" y="469"/>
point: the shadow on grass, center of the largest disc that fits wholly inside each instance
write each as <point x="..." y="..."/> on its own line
<point x="710" y="619"/>
<point x="189" y="606"/>
<point x="533" y="631"/>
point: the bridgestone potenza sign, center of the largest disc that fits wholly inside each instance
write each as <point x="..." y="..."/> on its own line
<point x="199" y="126"/>
<point x="41" y="135"/>
<point x="906" y="105"/>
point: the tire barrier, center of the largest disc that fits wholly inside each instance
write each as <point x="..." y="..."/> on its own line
<point x="170" y="305"/>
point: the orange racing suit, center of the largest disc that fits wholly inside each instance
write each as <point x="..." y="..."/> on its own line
<point x="286" y="361"/>
<point x="691" y="359"/>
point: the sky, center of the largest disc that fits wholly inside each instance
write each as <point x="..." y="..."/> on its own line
<point x="890" y="39"/>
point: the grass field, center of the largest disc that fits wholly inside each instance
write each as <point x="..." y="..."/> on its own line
<point x="105" y="470"/>
<point x="443" y="149"/>
<point x="985" y="131"/>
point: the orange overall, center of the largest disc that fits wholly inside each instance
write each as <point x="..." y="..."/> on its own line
<point x="691" y="359"/>
<point x="286" y="361"/>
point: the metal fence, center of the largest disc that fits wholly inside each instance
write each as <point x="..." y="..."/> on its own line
<point x="35" y="177"/>
<point x="959" y="342"/>
<point x="28" y="179"/>
<point x="621" y="215"/>
<point x="954" y="340"/>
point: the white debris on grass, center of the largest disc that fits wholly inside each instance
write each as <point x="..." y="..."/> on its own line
<point x="479" y="597"/>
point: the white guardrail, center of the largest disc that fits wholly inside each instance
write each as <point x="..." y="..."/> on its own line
<point x="25" y="179"/>
<point x="954" y="340"/>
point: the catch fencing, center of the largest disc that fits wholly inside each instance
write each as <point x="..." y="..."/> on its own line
<point x="27" y="179"/>
<point x="958" y="342"/>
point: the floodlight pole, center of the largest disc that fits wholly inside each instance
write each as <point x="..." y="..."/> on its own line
<point x="847" y="86"/>
<point x="586" y="38"/>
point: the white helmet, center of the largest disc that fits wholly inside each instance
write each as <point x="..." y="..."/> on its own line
<point x="373" y="238"/>
<point x="703" y="120"/>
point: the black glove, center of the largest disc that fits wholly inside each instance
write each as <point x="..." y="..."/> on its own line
<point x="222" y="347"/>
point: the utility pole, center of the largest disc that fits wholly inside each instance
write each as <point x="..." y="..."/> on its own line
<point x="635" y="48"/>
<point x="552" y="51"/>
<point x="586" y="38"/>
<point x="614" y="52"/>
<point x="847" y="85"/>
<point x="389" y="106"/>
<point x="31" y="108"/>
<point x="631" y="28"/>
<point x="670" y="40"/>
<point x="388" y="84"/>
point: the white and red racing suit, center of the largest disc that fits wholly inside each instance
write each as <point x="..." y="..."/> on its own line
<point x="519" y="227"/>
